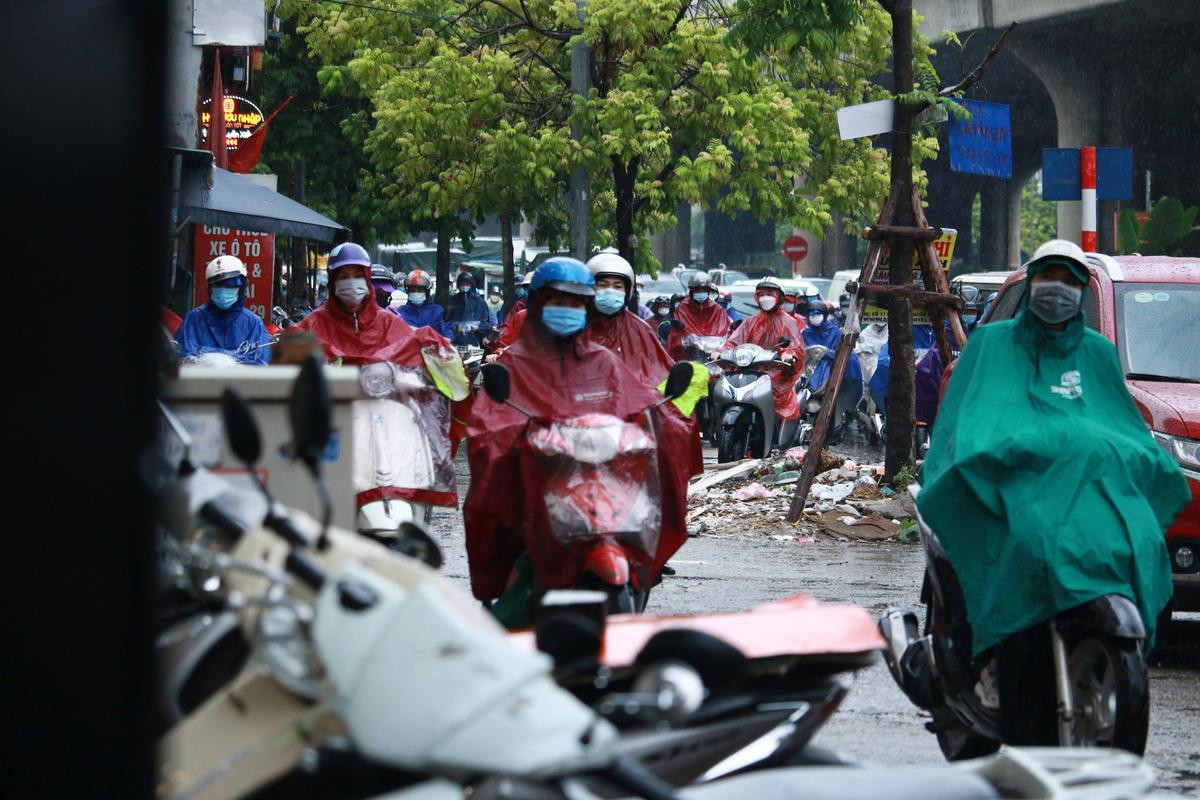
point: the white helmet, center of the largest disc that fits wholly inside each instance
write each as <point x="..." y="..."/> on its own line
<point x="1061" y="249"/>
<point x="611" y="263"/>
<point x="223" y="267"/>
<point x="528" y="278"/>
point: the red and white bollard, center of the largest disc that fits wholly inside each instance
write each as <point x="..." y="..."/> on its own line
<point x="1087" y="175"/>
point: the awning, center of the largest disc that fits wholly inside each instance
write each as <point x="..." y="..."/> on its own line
<point x="210" y="195"/>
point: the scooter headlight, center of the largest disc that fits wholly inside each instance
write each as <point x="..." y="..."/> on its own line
<point x="677" y="689"/>
<point x="378" y="379"/>
<point x="743" y="356"/>
<point x="288" y="648"/>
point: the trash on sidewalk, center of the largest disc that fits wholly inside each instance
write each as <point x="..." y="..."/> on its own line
<point x="755" y="491"/>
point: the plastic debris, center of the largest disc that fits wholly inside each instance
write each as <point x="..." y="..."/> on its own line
<point x="755" y="491"/>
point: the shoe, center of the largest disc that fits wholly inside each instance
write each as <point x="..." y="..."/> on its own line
<point x="986" y="689"/>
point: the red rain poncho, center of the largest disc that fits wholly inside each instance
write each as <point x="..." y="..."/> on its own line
<point x="765" y="329"/>
<point x="371" y="335"/>
<point x="512" y="328"/>
<point x="702" y="319"/>
<point x="504" y="512"/>
<point x="633" y="342"/>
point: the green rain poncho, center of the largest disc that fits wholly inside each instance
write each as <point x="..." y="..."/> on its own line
<point x="1043" y="482"/>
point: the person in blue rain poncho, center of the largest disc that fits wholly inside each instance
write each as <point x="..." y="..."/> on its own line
<point x="420" y="311"/>
<point x="223" y="324"/>
<point x="823" y="330"/>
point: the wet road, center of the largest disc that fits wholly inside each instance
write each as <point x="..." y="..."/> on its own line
<point x="738" y="565"/>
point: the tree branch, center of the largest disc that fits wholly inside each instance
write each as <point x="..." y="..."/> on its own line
<point x="977" y="73"/>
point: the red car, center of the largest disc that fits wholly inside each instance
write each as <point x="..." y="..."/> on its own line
<point x="1149" y="307"/>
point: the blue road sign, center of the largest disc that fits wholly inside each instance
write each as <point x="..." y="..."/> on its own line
<point x="982" y="145"/>
<point x="1060" y="173"/>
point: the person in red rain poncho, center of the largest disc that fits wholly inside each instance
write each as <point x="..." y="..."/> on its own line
<point x="556" y="372"/>
<point x="790" y="301"/>
<point x="765" y="329"/>
<point x="699" y="314"/>
<point x="612" y="325"/>
<point x="355" y="331"/>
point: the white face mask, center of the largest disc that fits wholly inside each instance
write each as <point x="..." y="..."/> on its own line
<point x="767" y="302"/>
<point x="351" y="291"/>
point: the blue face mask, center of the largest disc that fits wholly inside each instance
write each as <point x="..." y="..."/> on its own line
<point x="969" y="319"/>
<point x="610" y="301"/>
<point x="520" y="294"/>
<point x="700" y="297"/>
<point x="464" y="289"/>
<point x="224" y="297"/>
<point x="563" y="320"/>
<point x="416" y="298"/>
<point x="789" y="307"/>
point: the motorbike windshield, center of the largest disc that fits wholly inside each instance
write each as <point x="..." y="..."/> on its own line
<point x="601" y="478"/>
<point x="705" y="344"/>
<point x="400" y="446"/>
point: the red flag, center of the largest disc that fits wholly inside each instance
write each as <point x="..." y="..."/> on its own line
<point x="246" y="156"/>
<point x="216" y="116"/>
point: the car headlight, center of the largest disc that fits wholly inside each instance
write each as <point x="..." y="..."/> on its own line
<point x="1184" y="558"/>
<point x="1186" y="452"/>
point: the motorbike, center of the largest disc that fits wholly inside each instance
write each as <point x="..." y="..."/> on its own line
<point x="601" y="492"/>
<point x="745" y="404"/>
<point x="846" y="404"/>
<point x="280" y="318"/>
<point x="352" y="642"/>
<point x="400" y="470"/>
<point x="705" y="349"/>
<point x="1079" y="679"/>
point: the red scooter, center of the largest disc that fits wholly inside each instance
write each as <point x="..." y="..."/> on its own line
<point x="601" y="497"/>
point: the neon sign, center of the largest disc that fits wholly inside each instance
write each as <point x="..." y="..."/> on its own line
<point x="242" y="118"/>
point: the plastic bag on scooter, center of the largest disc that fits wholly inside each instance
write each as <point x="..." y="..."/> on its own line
<point x="401" y="447"/>
<point x="600" y="479"/>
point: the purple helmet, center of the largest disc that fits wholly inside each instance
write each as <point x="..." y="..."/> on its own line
<point x="348" y="254"/>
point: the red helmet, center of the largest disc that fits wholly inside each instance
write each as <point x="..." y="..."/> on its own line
<point x="417" y="279"/>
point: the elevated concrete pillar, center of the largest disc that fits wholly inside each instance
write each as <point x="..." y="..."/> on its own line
<point x="1073" y="76"/>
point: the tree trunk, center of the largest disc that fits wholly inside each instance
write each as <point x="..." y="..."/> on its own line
<point x="624" y="178"/>
<point x="506" y="258"/>
<point x="443" y="263"/>
<point x="900" y="400"/>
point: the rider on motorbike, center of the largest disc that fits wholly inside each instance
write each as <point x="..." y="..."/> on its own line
<point x="557" y="372"/>
<point x="823" y="330"/>
<point x="1040" y="466"/>
<point x="420" y="311"/>
<point x="767" y="329"/>
<point x="384" y="282"/>
<point x="699" y="314"/>
<point x="613" y="326"/>
<point x="223" y="324"/>
<point x="466" y="306"/>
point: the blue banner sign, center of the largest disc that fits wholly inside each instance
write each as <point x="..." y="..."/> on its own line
<point x="982" y="145"/>
<point x="1060" y="173"/>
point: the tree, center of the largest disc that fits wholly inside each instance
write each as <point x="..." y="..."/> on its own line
<point x="679" y="110"/>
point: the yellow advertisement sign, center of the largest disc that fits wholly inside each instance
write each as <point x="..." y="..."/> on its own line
<point x="943" y="245"/>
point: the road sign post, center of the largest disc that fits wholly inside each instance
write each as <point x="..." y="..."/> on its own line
<point x="794" y="250"/>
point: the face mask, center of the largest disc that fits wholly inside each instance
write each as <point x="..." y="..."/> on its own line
<point x="767" y="302"/>
<point x="464" y="289"/>
<point x="816" y="319"/>
<point x="610" y="301"/>
<point x="969" y="319"/>
<point x="789" y="307"/>
<point x="351" y="291"/>
<point x="700" y="297"/>
<point x="224" y="297"/>
<point x="662" y="312"/>
<point x="520" y="294"/>
<point x="563" y="320"/>
<point x="416" y="298"/>
<point x="1054" y="302"/>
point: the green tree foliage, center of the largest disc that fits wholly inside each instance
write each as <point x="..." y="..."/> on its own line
<point x="326" y="127"/>
<point x="471" y="110"/>
<point x="1039" y="218"/>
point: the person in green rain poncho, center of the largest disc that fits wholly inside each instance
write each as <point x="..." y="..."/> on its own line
<point x="1042" y="480"/>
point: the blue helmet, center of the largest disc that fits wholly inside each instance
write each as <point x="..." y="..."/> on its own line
<point x="348" y="254"/>
<point x="565" y="274"/>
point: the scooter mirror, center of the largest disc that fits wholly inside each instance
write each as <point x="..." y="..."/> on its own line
<point x="679" y="379"/>
<point x="241" y="428"/>
<point x="415" y="541"/>
<point x="496" y="382"/>
<point x="310" y="410"/>
<point x="784" y="341"/>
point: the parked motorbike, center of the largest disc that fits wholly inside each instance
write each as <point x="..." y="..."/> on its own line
<point x="280" y="318"/>
<point x="705" y="349"/>
<point x="353" y="642"/>
<point x="1079" y="679"/>
<point x="601" y="490"/>
<point x="745" y="404"/>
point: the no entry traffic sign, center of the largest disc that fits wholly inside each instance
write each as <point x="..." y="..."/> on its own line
<point x="795" y="248"/>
